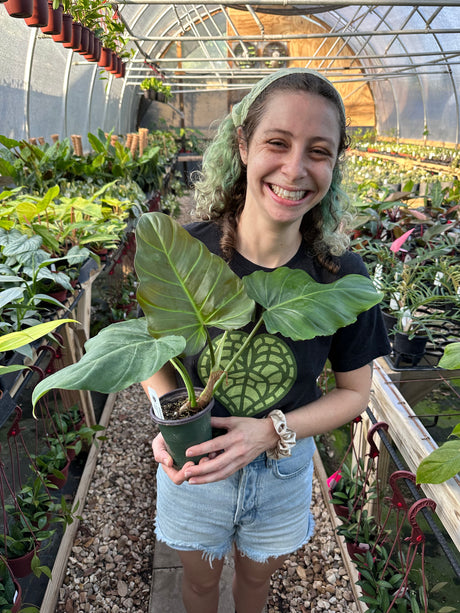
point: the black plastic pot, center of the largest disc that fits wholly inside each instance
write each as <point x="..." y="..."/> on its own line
<point x="389" y="321"/>
<point x="180" y="434"/>
<point x="409" y="349"/>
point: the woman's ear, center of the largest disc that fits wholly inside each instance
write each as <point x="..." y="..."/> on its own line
<point x="242" y="145"/>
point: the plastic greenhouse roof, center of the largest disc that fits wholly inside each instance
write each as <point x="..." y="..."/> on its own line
<point x="406" y="53"/>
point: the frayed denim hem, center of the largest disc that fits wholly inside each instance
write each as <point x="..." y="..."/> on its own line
<point x="207" y="554"/>
<point x="264" y="557"/>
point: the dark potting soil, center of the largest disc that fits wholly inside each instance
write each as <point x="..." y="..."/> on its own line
<point x="171" y="409"/>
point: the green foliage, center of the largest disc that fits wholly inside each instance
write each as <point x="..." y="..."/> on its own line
<point x="196" y="290"/>
<point x="156" y="85"/>
<point x="443" y="463"/>
<point x="352" y="489"/>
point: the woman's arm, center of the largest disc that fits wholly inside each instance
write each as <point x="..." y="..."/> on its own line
<point x="162" y="381"/>
<point x="247" y="437"/>
<point x="346" y="401"/>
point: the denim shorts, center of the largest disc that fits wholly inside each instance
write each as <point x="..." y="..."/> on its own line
<point x="263" y="508"/>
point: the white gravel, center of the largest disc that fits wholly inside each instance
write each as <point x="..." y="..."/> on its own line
<point x="110" y="566"/>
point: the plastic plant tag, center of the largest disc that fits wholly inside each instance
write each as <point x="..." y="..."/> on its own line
<point x="155" y="403"/>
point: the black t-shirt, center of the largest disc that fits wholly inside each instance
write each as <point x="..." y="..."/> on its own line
<point x="279" y="373"/>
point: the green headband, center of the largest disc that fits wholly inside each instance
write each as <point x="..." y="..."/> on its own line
<point x="240" y="110"/>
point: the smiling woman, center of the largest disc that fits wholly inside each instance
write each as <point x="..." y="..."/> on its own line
<point x="270" y="196"/>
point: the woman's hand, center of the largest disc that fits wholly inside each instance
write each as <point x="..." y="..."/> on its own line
<point x="161" y="455"/>
<point x="245" y="439"/>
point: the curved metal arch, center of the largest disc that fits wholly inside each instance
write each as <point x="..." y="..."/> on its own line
<point x="350" y="44"/>
<point x="454" y="90"/>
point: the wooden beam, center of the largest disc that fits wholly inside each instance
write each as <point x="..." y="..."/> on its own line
<point x="60" y="563"/>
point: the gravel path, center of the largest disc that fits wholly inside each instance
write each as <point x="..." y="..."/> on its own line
<point x="111" y="560"/>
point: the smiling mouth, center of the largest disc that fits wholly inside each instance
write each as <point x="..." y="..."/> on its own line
<point x="288" y="194"/>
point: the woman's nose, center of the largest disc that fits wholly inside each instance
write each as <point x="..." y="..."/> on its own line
<point x="295" y="165"/>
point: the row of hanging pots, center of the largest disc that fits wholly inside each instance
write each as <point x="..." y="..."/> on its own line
<point x="71" y="34"/>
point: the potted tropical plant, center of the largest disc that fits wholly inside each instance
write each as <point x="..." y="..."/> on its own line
<point x="360" y="533"/>
<point x="155" y="89"/>
<point x="21" y="542"/>
<point x="10" y="590"/>
<point x="53" y="465"/>
<point x="195" y="291"/>
<point x="349" y="489"/>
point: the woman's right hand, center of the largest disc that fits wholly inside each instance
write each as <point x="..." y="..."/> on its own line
<point x="161" y="455"/>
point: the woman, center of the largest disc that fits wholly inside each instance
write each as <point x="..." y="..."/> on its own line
<point x="270" y="190"/>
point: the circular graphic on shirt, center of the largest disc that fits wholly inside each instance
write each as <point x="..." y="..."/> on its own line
<point x="263" y="374"/>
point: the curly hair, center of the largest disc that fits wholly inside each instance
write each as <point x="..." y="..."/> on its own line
<point x="220" y="189"/>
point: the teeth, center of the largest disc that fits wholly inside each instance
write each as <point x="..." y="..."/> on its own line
<point x="288" y="195"/>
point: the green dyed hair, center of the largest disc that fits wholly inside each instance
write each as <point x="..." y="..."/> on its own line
<point x="220" y="189"/>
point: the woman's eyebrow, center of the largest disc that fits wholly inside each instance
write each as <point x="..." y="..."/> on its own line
<point x="280" y="131"/>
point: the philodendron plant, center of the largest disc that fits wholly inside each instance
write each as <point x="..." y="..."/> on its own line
<point x="184" y="290"/>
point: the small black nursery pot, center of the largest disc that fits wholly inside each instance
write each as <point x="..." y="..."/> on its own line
<point x="182" y="433"/>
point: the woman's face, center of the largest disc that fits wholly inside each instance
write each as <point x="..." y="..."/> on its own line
<point x="291" y="156"/>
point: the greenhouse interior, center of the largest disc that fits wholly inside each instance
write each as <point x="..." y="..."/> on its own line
<point x="105" y="124"/>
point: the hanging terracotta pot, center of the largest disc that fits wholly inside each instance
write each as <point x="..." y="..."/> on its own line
<point x="84" y="41"/>
<point x="17" y="599"/>
<point x="75" y="38"/>
<point x="59" y="482"/>
<point x="66" y="33"/>
<point x="95" y="55"/>
<point x="19" y="8"/>
<point x="114" y="63"/>
<point x="39" y="17"/>
<point x="88" y="50"/>
<point x="54" y="19"/>
<point x="357" y="548"/>
<point x="22" y="566"/>
<point x="97" y="49"/>
<point x="105" y="58"/>
<point x="121" y="73"/>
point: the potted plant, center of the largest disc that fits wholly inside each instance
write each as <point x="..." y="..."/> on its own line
<point x="39" y="16"/>
<point x="360" y="533"/>
<point x="70" y="430"/>
<point x="21" y="543"/>
<point x="10" y="589"/>
<point x="155" y="89"/>
<point x="381" y="582"/>
<point x="55" y="13"/>
<point x="349" y="489"/>
<point x="53" y="465"/>
<point x="197" y="290"/>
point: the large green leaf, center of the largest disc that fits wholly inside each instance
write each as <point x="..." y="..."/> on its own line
<point x="442" y="464"/>
<point x="183" y="287"/>
<point x="9" y="143"/>
<point x="300" y="308"/>
<point x="451" y="357"/>
<point x="13" y="340"/>
<point x="120" y="355"/>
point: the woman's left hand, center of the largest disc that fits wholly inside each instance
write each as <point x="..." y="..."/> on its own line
<point x="245" y="439"/>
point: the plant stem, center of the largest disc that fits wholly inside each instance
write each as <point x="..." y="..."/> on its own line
<point x="238" y="353"/>
<point x="186" y="379"/>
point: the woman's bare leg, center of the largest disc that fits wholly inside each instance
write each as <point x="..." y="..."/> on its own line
<point x="252" y="582"/>
<point x="200" y="583"/>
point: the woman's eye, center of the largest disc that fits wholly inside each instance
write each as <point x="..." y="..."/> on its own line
<point x="276" y="143"/>
<point x="321" y="153"/>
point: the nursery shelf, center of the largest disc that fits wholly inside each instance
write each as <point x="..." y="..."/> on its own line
<point x="414" y="443"/>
